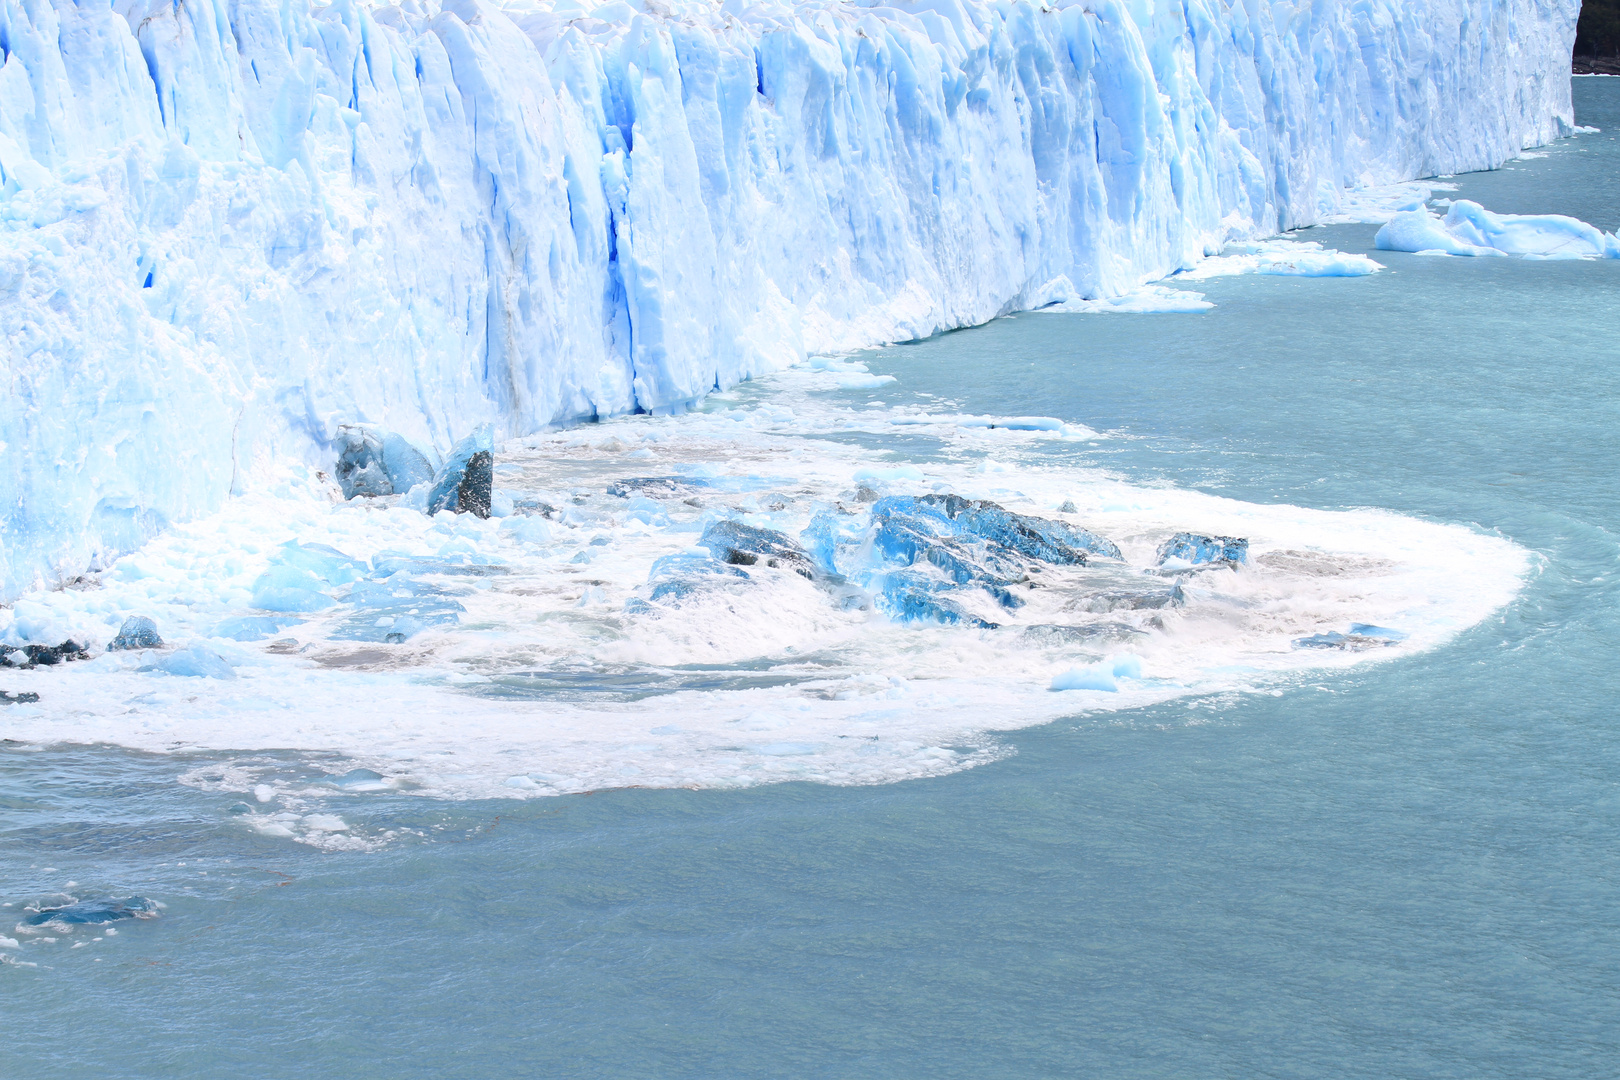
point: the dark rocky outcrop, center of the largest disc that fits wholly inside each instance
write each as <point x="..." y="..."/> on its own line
<point x="32" y="656"/>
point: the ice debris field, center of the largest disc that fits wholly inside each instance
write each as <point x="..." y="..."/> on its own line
<point x="306" y="306"/>
<point x="739" y="595"/>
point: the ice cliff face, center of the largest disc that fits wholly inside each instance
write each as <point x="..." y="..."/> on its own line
<point x="231" y="225"/>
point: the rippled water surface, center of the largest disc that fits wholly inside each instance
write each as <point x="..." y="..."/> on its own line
<point x="1409" y="870"/>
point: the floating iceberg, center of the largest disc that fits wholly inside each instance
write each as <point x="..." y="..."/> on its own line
<point x="228" y="228"/>
<point x="1470" y="229"/>
<point x="90" y="912"/>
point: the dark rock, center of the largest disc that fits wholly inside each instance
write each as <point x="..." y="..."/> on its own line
<point x="1200" y="550"/>
<point x="17" y="699"/>
<point x="32" y="656"/>
<point x="477" y="487"/>
<point x="138" y="632"/>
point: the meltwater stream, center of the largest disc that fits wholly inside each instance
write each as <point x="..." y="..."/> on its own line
<point x="1407" y="868"/>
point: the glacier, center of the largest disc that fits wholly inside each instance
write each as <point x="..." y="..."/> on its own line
<point x="231" y="230"/>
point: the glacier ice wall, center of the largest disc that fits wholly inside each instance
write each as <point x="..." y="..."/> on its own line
<point x="227" y="226"/>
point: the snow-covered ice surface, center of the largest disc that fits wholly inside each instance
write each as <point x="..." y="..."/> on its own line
<point x="228" y="227"/>
<point x="1469" y="229"/>
<point x="587" y="641"/>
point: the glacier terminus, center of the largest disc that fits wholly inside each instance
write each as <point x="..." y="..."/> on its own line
<point x="233" y="227"/>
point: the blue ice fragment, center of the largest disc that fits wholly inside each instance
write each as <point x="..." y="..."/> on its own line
<point x="199" y="662"/>
<point x="1100" y="676"/>
<point x="290" y="588"/>
<point x="743" y="545"/>
<point x="1196" y="549"/>
<point x="1361" y="636"/>
<point x="94" y="912"/>
<point x="360" y="471"/>
<point x="941" y="516"/>
<point x="395" y="610"/>
<point x="446" y="493"/>
<point x="386" y="564"/>
<point x="912" y="598"/>
<point x="405" y="464"/>
<point x="820" y="540"/>
<point x="321" y="559"/>
<point x="374" y="463"/>
<point x="675" y="577"/>
<point x="1330" y="640"/>
<point x="253" y="627"/>
<point x="1368" y="630"/>
<point x="361" y="780"/>
<point x="138" y="632"/>
<point x="973" y="544"/>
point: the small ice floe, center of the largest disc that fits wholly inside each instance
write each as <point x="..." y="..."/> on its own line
<point x="1195" y="549"/>
<point x="138" y="632"/>
<point x="254" y="627"/>
<point x="1103" y="675"/>
<point x="1362" y="636"/>
<point x="1469" y="229"/>
<point x="89" y="912"/>
<point x="1148" y="300"/>
<point x="196" y="661"/>
<point x="361" y="780"/>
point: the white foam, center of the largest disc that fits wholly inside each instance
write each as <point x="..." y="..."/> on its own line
<point x="817" y="690"/>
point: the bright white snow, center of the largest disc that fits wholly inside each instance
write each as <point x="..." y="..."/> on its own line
<point x="228" y="227"/>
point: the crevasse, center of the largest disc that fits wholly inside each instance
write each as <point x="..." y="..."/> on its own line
<point x="232" y="225"/>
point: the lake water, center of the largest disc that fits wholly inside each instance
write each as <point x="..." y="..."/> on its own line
<point x="1404" y="869"/>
